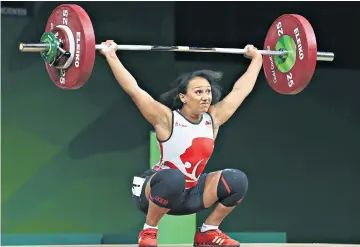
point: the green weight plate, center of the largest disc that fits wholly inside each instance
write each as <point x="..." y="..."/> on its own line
<point x="285" y="63"/>
<point x="50" y="54"/>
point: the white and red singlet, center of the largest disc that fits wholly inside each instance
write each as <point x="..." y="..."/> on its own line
<point x="188" y="148"/>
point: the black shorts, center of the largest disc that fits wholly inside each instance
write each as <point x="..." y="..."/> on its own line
<point x="190" y="202"/>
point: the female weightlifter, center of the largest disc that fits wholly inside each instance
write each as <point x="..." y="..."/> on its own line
<point x="186" y="121"/>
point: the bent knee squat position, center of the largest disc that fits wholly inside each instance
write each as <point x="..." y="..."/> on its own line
<point x="162" y="191"/>
<point x="165" y="191"/>
<point x="227" y="188"/>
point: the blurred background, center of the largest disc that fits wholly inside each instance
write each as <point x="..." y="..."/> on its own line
<point x="68" y="157"/>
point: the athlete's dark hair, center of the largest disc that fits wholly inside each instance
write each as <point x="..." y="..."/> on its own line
<point x="171" y="98"/>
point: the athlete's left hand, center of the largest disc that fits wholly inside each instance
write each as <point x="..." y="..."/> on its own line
<point x="252" y="52"/>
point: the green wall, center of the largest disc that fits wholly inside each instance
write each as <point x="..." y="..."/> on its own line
<point x="68" y="157"/>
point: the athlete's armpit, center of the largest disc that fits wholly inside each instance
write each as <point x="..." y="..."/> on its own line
<point x="153" y="111"/>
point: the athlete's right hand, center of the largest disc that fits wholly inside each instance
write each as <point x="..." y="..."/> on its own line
<point x="110" y="47"/>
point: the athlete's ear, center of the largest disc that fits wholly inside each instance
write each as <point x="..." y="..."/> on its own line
<point x="182" y="98"/>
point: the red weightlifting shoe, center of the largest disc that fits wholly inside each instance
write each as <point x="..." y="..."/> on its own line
<point x="148" y="238"/>
<point x="214" y="238"/>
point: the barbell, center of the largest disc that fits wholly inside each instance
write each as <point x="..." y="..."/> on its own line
<point x="68" y="48"/>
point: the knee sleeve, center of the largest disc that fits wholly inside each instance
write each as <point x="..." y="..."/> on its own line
<point x="166" y="187"/>
<point x="232" y="187"/>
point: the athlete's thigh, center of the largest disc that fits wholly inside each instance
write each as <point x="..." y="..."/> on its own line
<point x="142" y="201"/>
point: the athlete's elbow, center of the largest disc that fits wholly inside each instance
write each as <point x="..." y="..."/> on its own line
<point x="130" y="87"/>
<point x="133" y="91"/>
<point x="243" y="90"/>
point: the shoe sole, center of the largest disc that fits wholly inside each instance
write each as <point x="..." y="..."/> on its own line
<point x="216" y="245"/>
<point x="203" y="245"/>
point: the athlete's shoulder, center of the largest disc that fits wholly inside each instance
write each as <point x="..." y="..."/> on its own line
<point x="209" y="116"/>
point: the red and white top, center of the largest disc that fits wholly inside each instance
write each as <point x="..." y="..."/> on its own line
<point x="188" y="148"/>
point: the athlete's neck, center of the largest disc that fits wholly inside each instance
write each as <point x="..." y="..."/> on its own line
<point x="193" y="117"/>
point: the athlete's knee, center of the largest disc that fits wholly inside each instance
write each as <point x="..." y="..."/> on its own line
<point x="232" y="187"/>
<point x="166" y="186"/>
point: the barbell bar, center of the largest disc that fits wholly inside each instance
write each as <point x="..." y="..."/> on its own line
<point x="68" y="49"/>
<point x="43" y="47"/>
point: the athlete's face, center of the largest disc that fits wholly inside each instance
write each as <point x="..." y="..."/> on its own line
<point x="198" y="95"/>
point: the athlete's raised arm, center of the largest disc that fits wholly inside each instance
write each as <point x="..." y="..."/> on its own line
<point x="224" y="109"/>
<point x="153" y="111"/>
